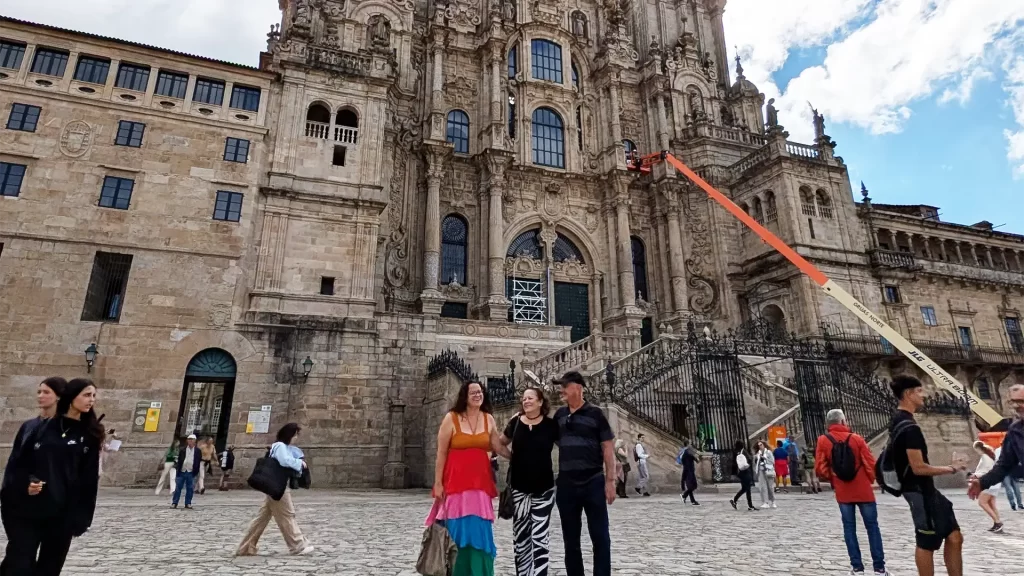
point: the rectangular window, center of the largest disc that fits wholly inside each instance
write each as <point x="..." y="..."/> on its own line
<point x="236" y="150"/>
<point x="1013" y="332"/>
<point x="50" y="62"/>
<point x="228" y="206"/>
<point x="105" y="296"/>
<point x="810" y="224"/>
<point x="984" y="388"/>
<point x="11" y="54"/>
<point x="129" y="133"/>
<point x="23" y="117"/>
<point x="171" y="84"/>
<point x="132" y="77"/>
<point x="327" y="285"/>
<point x="116" y="193"/>
<point x="966" y="340"/>
<point x="92" y="70"/>
<point x="887" y="346"/>
<point x="928" y="314"/>
<point x="339" y="156"/>
<point x="208" y="92"/>
<point x="11" y="176"/>
<point x="245" y="98"/>
<point x="513" y="62"/>
<point x="546" y="60"/>
<point x="892" y="294"/>
<point x="455" y="310"/>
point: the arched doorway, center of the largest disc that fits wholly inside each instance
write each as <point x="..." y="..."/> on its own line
<point x="206" y="394"/>
<point x="776" y="320"/>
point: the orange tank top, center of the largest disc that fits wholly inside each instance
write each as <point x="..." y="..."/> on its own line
<point x="463" y="440"/>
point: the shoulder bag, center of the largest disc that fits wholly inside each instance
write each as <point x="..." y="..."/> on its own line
<point x="437" y="551"/>
<point x="269" y="477"/>
<point x="506" y="504"/>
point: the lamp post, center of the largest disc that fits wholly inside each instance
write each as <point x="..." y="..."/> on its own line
<point x="90" y="356"/>
<point x="307" y="367"/>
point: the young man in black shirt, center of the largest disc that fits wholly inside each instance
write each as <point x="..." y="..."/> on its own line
<point x="934" y="521"/>
<point x="586" y="476"/>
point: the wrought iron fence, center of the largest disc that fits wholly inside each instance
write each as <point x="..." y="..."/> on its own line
<point x="946" y="404"/>
<point x="941" y="351"/>
<point x="838" y="382"/>
<point x="449" y="360"/>
<point x="502" y="390"/>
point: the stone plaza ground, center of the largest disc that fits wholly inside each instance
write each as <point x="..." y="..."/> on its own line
<point x="378" y="534"/>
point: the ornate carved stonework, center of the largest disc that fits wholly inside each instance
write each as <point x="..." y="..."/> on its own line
<point x="523" y="266"/>
<point x="463" y="13"/>
<point x="455" y="292"/>
<point x="75" y="138"/>
<point x="700" y="265"/>
<point x="572" y="270"/>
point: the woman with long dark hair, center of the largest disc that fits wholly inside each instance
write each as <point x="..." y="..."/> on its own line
<point x="282" y="511"/>
<point x="746" y="474"/>
<point x="48" y="394"/>
<point x="464" y="489"/>
<point x="532" y="435"/>
<point x="50" y="484"/>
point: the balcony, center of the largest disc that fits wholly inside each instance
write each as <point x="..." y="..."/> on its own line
<point x="319" y="130"/>
<point x="346" y="134"/>
<point x="943" y="352"/>
<point x="999" y="276"/>
<point x="891" y="259"/>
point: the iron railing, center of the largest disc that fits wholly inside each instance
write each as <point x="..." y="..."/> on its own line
<point x="940" y="351"/>
<point x="449" y="360"/>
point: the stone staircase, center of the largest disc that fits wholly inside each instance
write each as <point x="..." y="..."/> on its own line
<point x="588" y="356"/>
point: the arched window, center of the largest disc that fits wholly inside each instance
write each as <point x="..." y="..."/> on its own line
<point x="771" y="209"/>
<point x="579" y="127"/>
<point x="346" y="117"/>
<point x="548" y="138"/>
<point x="639" y="267"/>
<point x="454" y="239"/>
<point x="318" y="121"/>
<point x="458" y="131"/>
<point x="745" y="207"/>
<point x="346" y="126"/>
<point x="807" y="202"/>
<point x="513" y="62"/>
<point x="526" y="245"/>
<point x="546" y="60"/>
<point x="630" y="148"/>
<point x="564" y="250"/>
<point x="758" y="210"/>
<point x="512" y="115"/>
<point x="575" y="76"/>
<point x="824" y="204"/>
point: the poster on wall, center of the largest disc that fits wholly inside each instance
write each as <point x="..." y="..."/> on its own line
<point x="776" y="433"/>
<point x="259" y="421"/>
<point x="146" y="417"/>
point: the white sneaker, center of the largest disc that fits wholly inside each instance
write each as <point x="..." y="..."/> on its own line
<point x="884" y="573"/>
<point x="765" y="506"/>
<point x="305" y="551"/>
<point x="774" y="505"/>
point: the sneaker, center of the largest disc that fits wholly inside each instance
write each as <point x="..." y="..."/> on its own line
<point x="997" y="528"/>
<point x="646" y="494"/>
<point x="765" y="506"/>
<point x="733" y="502"/>
<point x="752" y="509"/>
<point x="305" y="551"/>
<point x="173" y="506"/>
<point x="681" y="497"/>
<point x="188" y="507"/>
<point x="883" y="573"/>
<point x="774" y="505"/>
<point x="637" y="490"/>
<point x="856" y="572"/>
<point x="696" y="503"/>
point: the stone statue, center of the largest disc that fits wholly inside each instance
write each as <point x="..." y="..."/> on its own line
<point x="773" y="114"/>
<point x="819" y="123"/>
<point x="696" y="104"/>
<point x="727" y="117"/>
<point x="508" y="11"/>
<point x="380" y="31"/>
<point x="579" y="24"/>
<point x="301" y="16"/>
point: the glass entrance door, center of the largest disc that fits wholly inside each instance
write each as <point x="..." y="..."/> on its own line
<point x="572" y="308"/>
<point x="205" y="410"/>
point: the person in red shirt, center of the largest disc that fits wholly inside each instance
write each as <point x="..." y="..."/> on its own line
<point x="852" y="454"/>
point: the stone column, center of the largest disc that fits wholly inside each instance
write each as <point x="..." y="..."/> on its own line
<point x="959" y="254"/>
<point x="988" y="257"/>
<point x="613" y="102"/>
<point x="437" y="128"/>
<point x="1016" y="256"/>
<point x="974" y="255"/>
<point x="717" y="8"/>
<point x="497" y="133"/>
<point x="497" y="303"/>
<point x="598" y="311"/>
<point x="431" y="298"/>
<point x="676" y="256"/>
<point x="942" y="249"/>
<point x="613" y="264"/>
<point x="627" y="290"/>
<point x="395" y="470"/>
<point x="663" y="138"/>
<point x="894" y="246"/>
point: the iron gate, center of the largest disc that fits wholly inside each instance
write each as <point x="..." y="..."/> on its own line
<point x="836" y="382"/>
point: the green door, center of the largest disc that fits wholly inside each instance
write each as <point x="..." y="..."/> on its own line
<point x="572" y="308"/>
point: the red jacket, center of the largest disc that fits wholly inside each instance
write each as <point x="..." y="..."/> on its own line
<point x="859" y="490"/>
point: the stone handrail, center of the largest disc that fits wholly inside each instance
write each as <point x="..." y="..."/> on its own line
<point x="790" y="419"/>
<point x="616" y="346"/>
<point x="803" y="151"/>
<point x="730" y="134"/>
<point x="881" y="257"/>
<point x="572" y="356"/>
<point x="346" y="134"/>
<point x="753" y="159"/>
<point x="319" y="130"/>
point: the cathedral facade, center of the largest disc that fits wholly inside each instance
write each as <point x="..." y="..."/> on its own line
<point x="225" y="248"/>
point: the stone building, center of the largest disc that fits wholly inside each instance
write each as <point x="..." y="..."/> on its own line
<point x="250" y="246"/>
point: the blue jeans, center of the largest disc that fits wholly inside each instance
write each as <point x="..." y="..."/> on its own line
<point x="869" y="512"/>
<point x="186" y="480"/>
<point x="573" y="500"/>
<point x="1012" y="492"/>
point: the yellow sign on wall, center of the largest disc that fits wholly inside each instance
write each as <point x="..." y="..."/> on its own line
<point x="152" y="419"/>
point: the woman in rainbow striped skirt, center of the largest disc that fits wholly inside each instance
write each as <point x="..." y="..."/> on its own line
<point x="464" y="488"/>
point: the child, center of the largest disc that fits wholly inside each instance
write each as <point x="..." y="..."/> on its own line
<point x="227" y="464"/>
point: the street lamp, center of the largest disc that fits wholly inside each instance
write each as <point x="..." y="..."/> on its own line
<point x="307" y="367"/>
<point x="90" y="356"/>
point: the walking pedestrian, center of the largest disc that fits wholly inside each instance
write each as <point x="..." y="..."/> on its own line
<point x="935" y="523"/>
<point x="209" y="456"/>
<point x="643" y="473"/>
<point x="532" y="436"/>
<point x="464" y="488"/>
<point x="623" y="468"/>
<point x="746" y="475"/>
<point x="1011" y="455"/>
<point x="764" y="474"/>
<point x="107" y="450"/>
<point x="50" y="483"/>
<point x="186" y="469"/>
<point x="688" y="458"/>
<point x="290" y="457"/>
<point x="227" y="464"/>
<point x="586" y="465"/>
<point x="844" y="460"/>
<point x="781" y="466"/>
<point x="807" y="462"/>
<point x="793" y="461"/>
<point x="169" y="473"/>
<point x="987" y="499"/>
<point x="1011" y="484"/>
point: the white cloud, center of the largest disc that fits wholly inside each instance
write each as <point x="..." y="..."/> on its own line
<point x="1014" y="86"/>
<point x="232" y="30"/>
<point x="961" y="93"/>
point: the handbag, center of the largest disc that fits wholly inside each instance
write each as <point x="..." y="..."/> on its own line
<point x="506" y="504"/>
<point x="437" y="551"/>
<point x="269" y="477"/>
<point x="305" y="480"/>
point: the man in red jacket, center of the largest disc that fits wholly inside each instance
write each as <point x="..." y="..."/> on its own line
<point x="852" y="454"/>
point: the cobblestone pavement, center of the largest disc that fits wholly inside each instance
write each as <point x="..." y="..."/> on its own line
<point x="378" y="533"/>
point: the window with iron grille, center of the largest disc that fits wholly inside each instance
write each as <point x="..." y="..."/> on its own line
<point x="23" y="117"/>
<point x="171" y="84"/>
<point x="966" y="338"/>
<point x="548" y="138"/>
<point x="132" y="77"/>
<point x="454" y="240"/>
<point x="1013" y="332"/>
<point x="236" y="150"/>
<point x="639" y="267"/>
<point x="50" y="62"/>
<point x="117" y="192"/>
<point x="11" y="54"/>
<point x="458" y="131"/>
<point x="546" y="60"/>
<point x="928" y="315"/>
<point x="92" y="70"/>
<point x="513" y="62"/>
<point x="984" y="388"/>
<point x="526" y="245"/>
<point x="11" y="176"/>
<point x="107" y="284"/>
<point x="245" y="98"/>
<point x="129" y="133"/>
<point x="228" y="206"/>
<point x="455" y="310"/>
<point x="208" y="91"/>
<point x="892" y="294"/>
<point x="564" y="250"/>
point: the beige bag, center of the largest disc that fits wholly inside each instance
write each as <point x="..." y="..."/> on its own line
<point x="437" y="553"/>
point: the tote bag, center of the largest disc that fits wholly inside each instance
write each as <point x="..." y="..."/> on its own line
<point x="437" y="552"/>
<point x="269" y="477"/>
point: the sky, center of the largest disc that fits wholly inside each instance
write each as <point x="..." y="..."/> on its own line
<point x="925" y="98"/>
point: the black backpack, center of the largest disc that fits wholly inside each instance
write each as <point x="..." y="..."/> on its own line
<point x="843" y="460"/>
<point x="889" y="479"/>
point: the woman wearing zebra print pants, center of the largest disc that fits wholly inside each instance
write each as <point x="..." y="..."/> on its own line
<point x="532" y="435"/>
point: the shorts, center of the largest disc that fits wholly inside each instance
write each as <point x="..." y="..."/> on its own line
<point x="781" y="468"/>
<point x="933" y="517"/>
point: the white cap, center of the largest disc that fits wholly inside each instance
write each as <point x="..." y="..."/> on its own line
<point x="191" y="437"/>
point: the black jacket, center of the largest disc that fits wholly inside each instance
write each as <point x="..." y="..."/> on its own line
<point x="60" y="452"/>
<point x="197" y="459"/>
<point x="1010" y="459"/>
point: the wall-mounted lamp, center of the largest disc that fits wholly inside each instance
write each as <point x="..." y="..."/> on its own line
<point x="90" y="356"/>
<point x="307" y="367"/>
